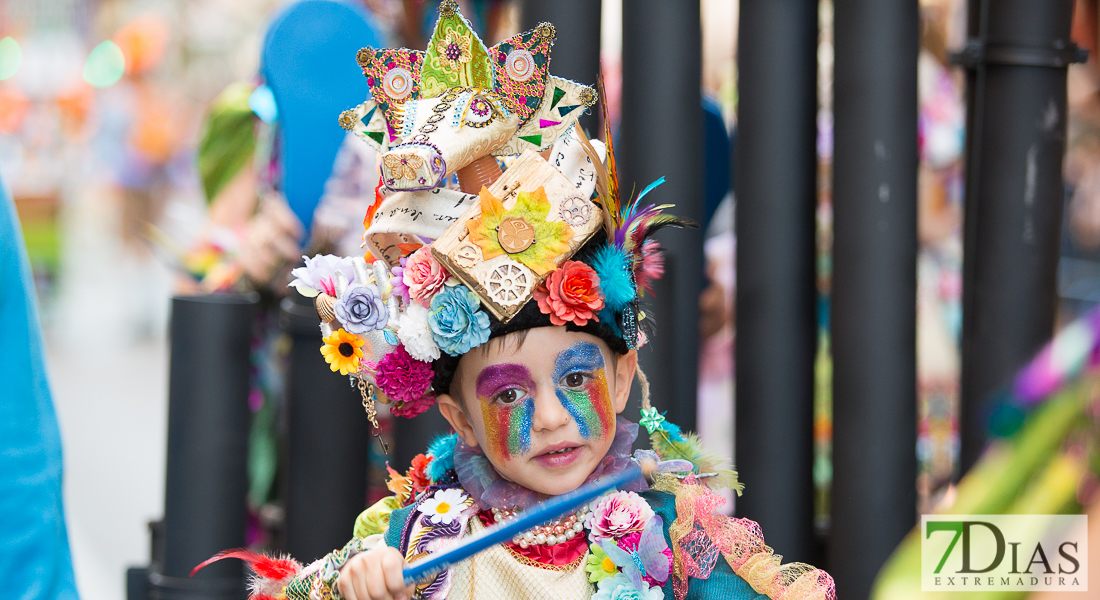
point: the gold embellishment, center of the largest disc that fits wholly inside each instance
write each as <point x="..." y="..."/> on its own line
<point x="403" y="166"/>
<point x="364" y="57"/>
<point x="367" y="391"/>
<point x="515" y="235"/>
<point x="545" y="31"/>
<point x="447" y="8"/>
<point x="454" y="50"/>
<point x="588" y="96"/>
<point x="347" y="119"/>
<point x="523" y="560"/>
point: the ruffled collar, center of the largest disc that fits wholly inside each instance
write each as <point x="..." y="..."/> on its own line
<point x="478" y="477"/>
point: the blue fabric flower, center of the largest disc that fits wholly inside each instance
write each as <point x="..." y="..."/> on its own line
<point x="620" y="588"/>
<point x="457" y="322"/>
<point x="361" y="309"/>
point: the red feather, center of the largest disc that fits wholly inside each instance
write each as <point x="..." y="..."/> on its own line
<point x="263" y="566"/>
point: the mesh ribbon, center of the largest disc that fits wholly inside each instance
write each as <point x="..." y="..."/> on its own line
<point x="699" y="534"/>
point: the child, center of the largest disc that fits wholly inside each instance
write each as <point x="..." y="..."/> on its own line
<point x="521" y="321"/>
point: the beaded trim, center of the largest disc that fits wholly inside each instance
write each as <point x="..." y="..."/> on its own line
<point x="556" y="532"/>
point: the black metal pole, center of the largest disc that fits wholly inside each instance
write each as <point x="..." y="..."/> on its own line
<point x="327" y="442"/>
<point x="208" y="421"/>
<point x="874" y="286"/>
<point x="1016" y="138"/>
<point x="776" y="304"/>
<point x="662" y="134"/>
<point x="576" y="53"/>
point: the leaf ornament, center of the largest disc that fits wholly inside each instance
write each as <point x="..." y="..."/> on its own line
<point x="648" y="559"/>
<point x="551" y="237"/>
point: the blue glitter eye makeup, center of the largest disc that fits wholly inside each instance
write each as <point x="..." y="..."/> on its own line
<point x="581" y="386"/>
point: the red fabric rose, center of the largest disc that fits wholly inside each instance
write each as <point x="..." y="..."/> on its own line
<point x="417" y="474"/>
<point x="571" y="293"/>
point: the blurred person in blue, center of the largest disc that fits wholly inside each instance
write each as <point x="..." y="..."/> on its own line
<point x="34" y="544"/>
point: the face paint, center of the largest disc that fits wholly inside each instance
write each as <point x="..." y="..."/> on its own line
<point x="507" y="425"/>
<point x="590" y="403"/>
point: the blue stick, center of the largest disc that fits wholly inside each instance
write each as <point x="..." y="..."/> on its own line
<point x="543" y="513"/>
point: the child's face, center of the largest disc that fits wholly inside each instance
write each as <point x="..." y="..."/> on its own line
<point x="543" y="413"/>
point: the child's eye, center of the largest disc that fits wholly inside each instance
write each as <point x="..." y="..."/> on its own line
<point x="574" y="380"/>
<point x="510" y="396"/>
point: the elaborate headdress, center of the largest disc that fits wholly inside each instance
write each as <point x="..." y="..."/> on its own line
<point x="546" y="243"/>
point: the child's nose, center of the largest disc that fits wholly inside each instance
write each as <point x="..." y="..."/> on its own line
<point x="550" y="414"/>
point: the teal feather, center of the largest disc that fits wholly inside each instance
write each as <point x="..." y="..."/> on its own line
<point x="442" y="452"/>
<point x="614" y="266"/>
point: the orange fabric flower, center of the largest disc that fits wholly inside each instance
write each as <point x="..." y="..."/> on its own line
<point x="571" y="293"/>
<point x="417" y="475"/>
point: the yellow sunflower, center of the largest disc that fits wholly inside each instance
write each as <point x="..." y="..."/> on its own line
<point x="342" y="351"/>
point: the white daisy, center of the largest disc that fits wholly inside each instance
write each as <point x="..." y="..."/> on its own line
<point x="445" y="505"/>
<point x="414" y="333"/>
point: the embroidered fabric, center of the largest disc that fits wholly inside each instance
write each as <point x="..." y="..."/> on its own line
<point x="489" y="490"/>
<point x="700" y="534"/>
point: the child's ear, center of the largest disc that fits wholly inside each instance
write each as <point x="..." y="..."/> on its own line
<point x="452" y="411"/>
<point x="625" y="367"/>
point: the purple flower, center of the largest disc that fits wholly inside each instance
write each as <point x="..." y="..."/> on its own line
<point x="319" y="274"/>
<point x="361" y="309"/>
<point x="398" y="281"/>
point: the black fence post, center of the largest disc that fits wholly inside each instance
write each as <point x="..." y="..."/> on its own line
<point x="1016" y="137"/>
<point x="662" y="135"/>
<point x="776" y="297"/>
<point x="874" y="286"/>
<point x="208" y="420"/>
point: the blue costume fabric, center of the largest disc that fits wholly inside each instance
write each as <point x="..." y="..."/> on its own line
<point x="34" y="545"/>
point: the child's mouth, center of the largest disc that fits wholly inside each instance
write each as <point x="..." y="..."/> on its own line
<point x="559" y="455"/>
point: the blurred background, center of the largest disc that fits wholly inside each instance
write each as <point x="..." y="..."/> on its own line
<point x="106" y="108"/>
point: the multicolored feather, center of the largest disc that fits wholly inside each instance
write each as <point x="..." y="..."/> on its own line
<point x="270" y="575"/>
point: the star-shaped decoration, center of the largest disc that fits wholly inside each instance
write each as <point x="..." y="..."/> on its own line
<point x="651" y="419"/>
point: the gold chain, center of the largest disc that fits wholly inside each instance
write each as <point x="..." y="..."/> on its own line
<point x="367" y="391"/>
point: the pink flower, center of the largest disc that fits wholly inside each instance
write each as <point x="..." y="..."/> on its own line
<point x="402" y="377"/>
<point x="414" y="407"/>
<point x="571" y="293"/>
<point x="618" y="515"/>
<point x="423" y="275"/>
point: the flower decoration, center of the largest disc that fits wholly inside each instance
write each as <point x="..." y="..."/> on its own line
<point x="417" y="475"/>
<point x="343" y="351"/>
<point x="651" y="419"/>
<point x="414" y="407"/>
<point x="570" y="294"/>
<point x="617" y="515"/>
<point x="454" y="49"/>
<point x="598" y="565"/>
<point x="619" y="587"/>
<point x="319" y="274"/>
<point x="551" y="238"/>
<point x="361" y="309"/>
<point x="398" y="280"/>
<point x="445" y="505"/>
<point x="402" y="377"/>
<point x="423" y="276"/>
<point x="416" y="335"/>
<point x="456" y="320"/>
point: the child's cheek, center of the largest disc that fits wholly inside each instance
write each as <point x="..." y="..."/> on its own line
<point x="590" y="407"/>
<point x="508" y="427"/>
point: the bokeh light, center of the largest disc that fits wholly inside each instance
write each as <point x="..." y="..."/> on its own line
<point x="105" y="65"/>
<point x="11" y="56"/>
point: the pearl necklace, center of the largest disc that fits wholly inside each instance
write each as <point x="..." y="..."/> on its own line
<point x="556" y="532"/>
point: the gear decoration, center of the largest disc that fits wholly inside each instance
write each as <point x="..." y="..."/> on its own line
<point x="467" y="255"/>
<point x="508" y="284"/>
<point x="576" y="211"/>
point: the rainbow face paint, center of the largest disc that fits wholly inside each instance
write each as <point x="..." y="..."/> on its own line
<point x="507" y="424"/>
<point x="589" y="402"/>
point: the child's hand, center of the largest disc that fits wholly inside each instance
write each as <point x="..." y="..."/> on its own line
<point x="375" y="575"/>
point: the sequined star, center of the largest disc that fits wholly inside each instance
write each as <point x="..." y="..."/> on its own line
<point x="651" y="419"/>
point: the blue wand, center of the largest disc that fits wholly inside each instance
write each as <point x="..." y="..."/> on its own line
<point x="543" y="513"/>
